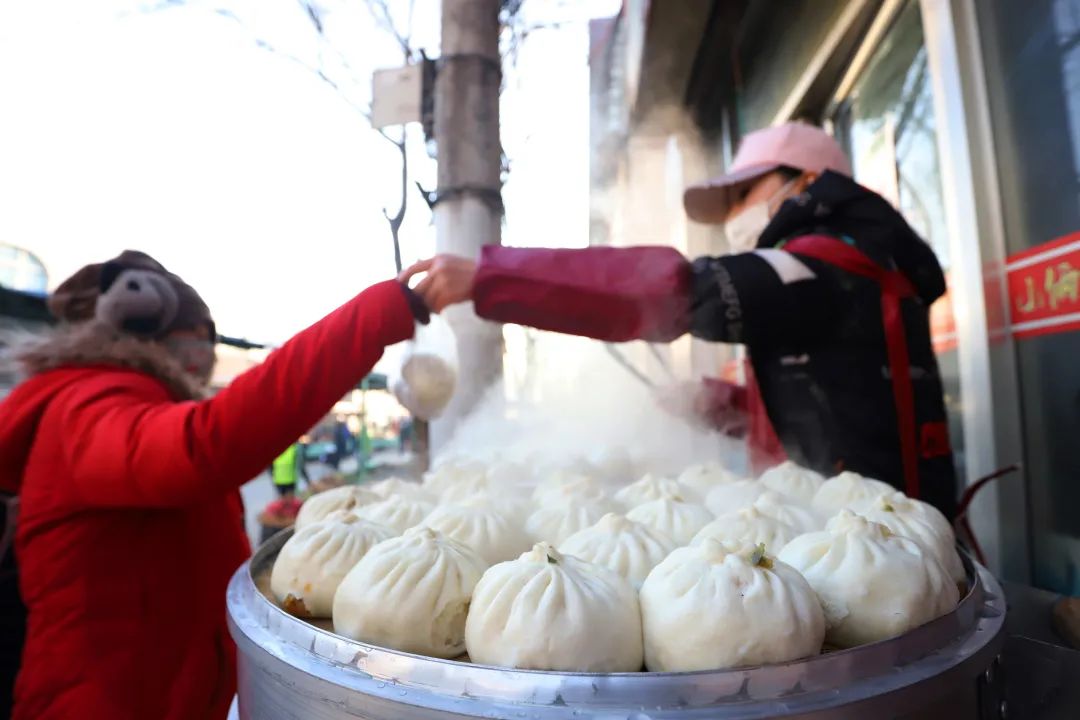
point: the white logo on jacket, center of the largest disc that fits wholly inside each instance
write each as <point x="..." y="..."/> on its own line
<point x="788" y="268"/>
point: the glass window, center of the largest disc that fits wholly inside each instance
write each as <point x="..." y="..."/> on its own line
<point x="1032" y="55"/>
<point x="887" y="125"/>
<point x="19" y="270"/>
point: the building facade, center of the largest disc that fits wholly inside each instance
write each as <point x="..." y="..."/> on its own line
<point x="21" y="270"/>
<point x="965" y="115"/>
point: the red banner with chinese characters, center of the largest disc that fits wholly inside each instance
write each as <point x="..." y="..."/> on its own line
<point x="943" y="332"/>
<point x="1044" y="288"/>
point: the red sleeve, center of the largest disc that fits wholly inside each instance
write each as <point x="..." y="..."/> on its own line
<point x="723" y="406"/>
<point x="129" y="445"/>
<point x="611" y="294"/>
<point x="723" y="394"/>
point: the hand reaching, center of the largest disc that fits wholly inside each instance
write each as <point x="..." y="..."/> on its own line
<point x="449" y="280"/>
<point x="683" y="400"/>
<point x="710" y="404"/>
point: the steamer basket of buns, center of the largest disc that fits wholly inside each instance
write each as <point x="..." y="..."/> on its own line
<point x="491" y="589"/>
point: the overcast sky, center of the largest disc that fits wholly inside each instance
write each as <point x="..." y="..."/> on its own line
<point x="173" y="132"/>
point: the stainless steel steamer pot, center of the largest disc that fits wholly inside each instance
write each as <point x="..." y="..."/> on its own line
<point x="289" y="669"/>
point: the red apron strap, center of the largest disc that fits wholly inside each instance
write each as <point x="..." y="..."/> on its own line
<point x="766" y="450"/>
<point x="894" y="287"/>
<point x="903" y="392"/>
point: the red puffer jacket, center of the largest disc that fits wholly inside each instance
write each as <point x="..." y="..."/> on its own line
<point x="131" y="522"/>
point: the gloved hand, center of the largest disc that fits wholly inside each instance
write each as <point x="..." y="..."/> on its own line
<point x="711" y="403"/>
<point x="681" y="400"/>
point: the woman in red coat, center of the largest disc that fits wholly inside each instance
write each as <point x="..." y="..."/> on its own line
<point x="130" y="520"/>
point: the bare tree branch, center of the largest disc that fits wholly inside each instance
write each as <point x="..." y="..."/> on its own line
<point x="313" y="14"/>
<point x="384" y="19"/>
<point x="398" y="218"/>
<point x="316" y="20"/>
<point x="380" y="13"/>
<point x="269" y="47"/>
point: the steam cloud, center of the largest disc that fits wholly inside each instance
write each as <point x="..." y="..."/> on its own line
<point x="578" y="408"/>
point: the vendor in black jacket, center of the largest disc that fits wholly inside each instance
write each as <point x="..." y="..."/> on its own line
<point x="829" y="289"/>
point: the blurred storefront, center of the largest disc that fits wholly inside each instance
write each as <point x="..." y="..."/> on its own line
<point x="18" y="311"/>
<point x="22" y="270"/>
<point x="964" y="114"/>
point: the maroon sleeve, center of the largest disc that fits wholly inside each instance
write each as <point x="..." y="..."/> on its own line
<point x="605" y="293"/>
<point x="129" y="446"/>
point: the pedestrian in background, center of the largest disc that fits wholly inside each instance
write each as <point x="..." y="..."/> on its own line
<point x="405" y="431"/>
<point x="288" y="468"/>
<point x="344" y="443"/>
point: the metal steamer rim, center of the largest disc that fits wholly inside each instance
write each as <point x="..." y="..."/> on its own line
<point x="953" y="648"/>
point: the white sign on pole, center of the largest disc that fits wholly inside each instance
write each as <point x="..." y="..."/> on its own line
<point x="396" y="95"/>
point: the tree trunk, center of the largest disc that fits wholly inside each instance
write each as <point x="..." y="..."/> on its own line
<point x="468" y="213"/>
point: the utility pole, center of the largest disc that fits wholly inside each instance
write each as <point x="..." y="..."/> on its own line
<point x="468" y="210"/>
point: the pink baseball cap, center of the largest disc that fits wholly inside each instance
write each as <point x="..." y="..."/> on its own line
<point x="796" y="145"/>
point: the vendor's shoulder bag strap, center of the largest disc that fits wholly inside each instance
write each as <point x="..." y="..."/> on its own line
<point x="894" y="287"/>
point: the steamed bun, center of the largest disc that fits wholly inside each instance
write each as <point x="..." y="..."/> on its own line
<point x="466" y="487"/>
<point x="647" y="489"/>
<point x="910" y="507"/>
<point x="716" y="605"/>
<point x="396" y="487"/>
<point x="918" y="521"/>
<point x="748" y="526"/>
<point x="488" y="529"/>
<point x="629" y="548"/>
<point x="426" y="384"/>
<point x="410" y="593"/>
<point x="671" y="515"/>
<point x="733" y="496"/>
<point x="571" y="487"/>
<point x="397" y="512"/>
<point x="702" y="478"/>
<point x="549" y="611"/>
<point x="312" y="563"/>
<point x="778" y="506"/>
<point x="346" y="497"/>
<point x="872" y="584"/>
<point x="453" y="472"/>
<point x="792" y="480"/>
<point x="555" y="523"/>
<point x="613" y="464"/>
<point x="845" y="490"/>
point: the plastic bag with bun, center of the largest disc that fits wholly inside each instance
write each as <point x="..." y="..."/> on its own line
<point x="426" y="379"/>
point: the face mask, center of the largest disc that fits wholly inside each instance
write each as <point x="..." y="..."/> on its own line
<point x="194" y="355"/>
<point x="744" y="229"/>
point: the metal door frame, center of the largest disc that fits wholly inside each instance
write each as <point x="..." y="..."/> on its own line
<point x="989" y="380"/>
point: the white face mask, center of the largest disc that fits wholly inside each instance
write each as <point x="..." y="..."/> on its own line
<point x="744" y="229"/>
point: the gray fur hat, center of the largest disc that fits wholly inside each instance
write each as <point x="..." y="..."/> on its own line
<point x="133" y="293"/>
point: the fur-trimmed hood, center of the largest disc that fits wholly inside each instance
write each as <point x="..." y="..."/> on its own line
<point x="93" y="344"/>
<point x="81" y="350"/>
